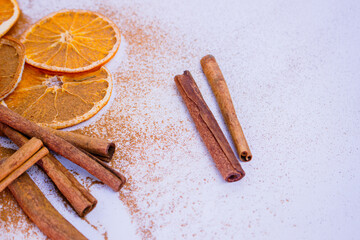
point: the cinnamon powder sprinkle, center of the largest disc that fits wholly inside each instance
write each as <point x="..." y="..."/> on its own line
<point x="144" y="130"/>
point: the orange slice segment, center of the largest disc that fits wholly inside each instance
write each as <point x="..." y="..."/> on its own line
<point x="9" y="14"/>
<point x="71" y="41"/>
<point x="60" y="101"/>
<point x="12" y="60"/>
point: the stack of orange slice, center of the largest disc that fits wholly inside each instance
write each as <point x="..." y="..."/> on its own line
<point x="64" y="81"/>
<point x="12" y="52"/>
<point x="12" y="61"/>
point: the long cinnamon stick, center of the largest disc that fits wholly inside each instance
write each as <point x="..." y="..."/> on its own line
<point x="214" y="139"/>
<point x="22" y="168"/>
<point x="96" y="146"/>
<point x="222" y="94"/>
<point x="61" y="146"/>
<point x="79" y="198"/>
<point x="33" y="202"/>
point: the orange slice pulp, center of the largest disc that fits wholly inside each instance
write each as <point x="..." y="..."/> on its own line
<point x="60" y="101"/>
<point x="71" y="41"/>
<point x="12" y="60"/>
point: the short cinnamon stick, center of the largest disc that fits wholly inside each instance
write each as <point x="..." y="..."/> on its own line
<point x="19" y="157"/>
<point x="209" y="129"/>
<point x="222" y="94"/>
<point x="61" y="146"/>
<point x="95" y="146"/>
<point x="22" y="168"/>
<point x="79" y="198"/>
<point x="12" y="167"/>
<point x="35" y="205"/>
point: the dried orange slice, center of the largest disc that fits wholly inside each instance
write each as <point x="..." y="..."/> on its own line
<point x="12" y="60"/>
<point x="9" y="14"/>
<point x="71" y="41"/>
<point x="60" y="101"/>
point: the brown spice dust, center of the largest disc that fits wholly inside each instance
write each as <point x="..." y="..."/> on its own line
<point x="130" y="119"/>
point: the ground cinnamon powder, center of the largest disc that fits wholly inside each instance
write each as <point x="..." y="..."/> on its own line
<point x="137" y="124"/>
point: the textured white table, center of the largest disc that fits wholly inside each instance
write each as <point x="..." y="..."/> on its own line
<point x="293" y="71"/>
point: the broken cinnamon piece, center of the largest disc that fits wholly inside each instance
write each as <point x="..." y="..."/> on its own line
<point x="62" y="147"/>
<point x="222" y="94"/>
<point x="209" y="129"/>
<point x="79" y="198"/>
<point x="12" y="167"/>
<point x="35" y="205"/>
<point x="98" y="147"/>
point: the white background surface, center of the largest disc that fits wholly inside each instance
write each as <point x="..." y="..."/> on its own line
<point x="293" y="71"/>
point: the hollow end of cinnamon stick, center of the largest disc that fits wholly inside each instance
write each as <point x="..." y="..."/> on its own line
<point x="87" y="210"/>
<point x="100" y="148"/>
<point x="111" y="150"/>
<point x="234" y="177"/>
<point x="245" y="156"/>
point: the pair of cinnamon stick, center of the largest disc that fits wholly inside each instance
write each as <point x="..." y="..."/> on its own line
<point x="20" y="161"/>
<point x="214" y="139"/>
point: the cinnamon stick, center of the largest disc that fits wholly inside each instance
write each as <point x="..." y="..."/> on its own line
<point x="19" y="157"/>
<point x="35" y="205"/>
<point x="205" y="122"/>
<point x="222" y="94"/>
<point x="62" y="147"/>
<point x="12" y="167"/>
<point x="98" y="147"/>
<point x="79" y="198"/>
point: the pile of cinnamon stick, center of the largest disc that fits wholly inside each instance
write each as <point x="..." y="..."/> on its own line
<point x="87" y="152"/>
<point x="205" y="122"/>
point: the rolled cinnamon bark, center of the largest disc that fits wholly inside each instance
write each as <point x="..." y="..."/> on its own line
<point x="61" y="146"/>
<point x="22" y="168"/>
<point x="98" y="147"/>
<point x="19" y="157"/>
<point x="33" y="202"/>
<point x="205" y="122"/>
<point x="79" y="198"/>
<point x="222" y="94"/>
